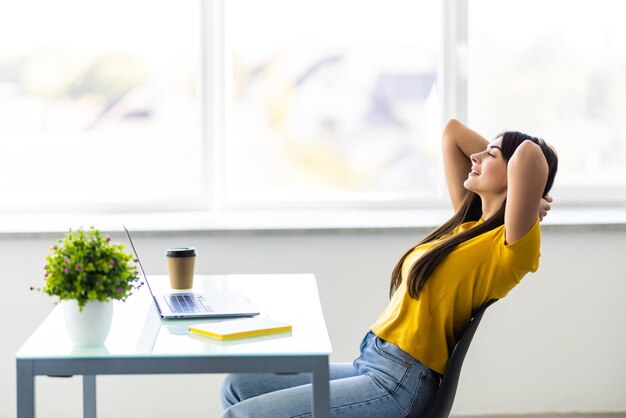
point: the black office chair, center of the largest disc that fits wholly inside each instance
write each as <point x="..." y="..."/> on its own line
<point x="444" y="399"/>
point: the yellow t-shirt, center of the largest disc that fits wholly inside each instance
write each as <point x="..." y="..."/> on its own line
<point x="476" y="271"/>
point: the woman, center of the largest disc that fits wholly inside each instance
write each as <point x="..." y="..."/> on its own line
<point x="499" y="190"/>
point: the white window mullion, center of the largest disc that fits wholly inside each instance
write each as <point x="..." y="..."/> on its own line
<point x="205" y="87"/>
<point x="455" y="59"/>
<point x="213" y="99"/>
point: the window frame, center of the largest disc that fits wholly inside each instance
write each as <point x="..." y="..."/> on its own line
<point x="212" y="94"/>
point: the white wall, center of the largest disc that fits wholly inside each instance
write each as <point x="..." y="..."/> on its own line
<point x="555" y="344"/>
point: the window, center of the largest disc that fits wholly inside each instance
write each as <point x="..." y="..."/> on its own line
<point x="226" y="104"/>
<point x="332" y="101"/>
<point x="99" y="104"/>
<point x="555" y="69"/>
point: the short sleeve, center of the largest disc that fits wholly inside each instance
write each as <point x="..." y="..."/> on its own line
<point x="523" y="254"/>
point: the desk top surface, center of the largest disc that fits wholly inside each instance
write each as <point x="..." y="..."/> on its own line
<point x="138" y="331"/>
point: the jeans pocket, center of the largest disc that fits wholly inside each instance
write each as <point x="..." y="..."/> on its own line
<point x="434" y="381"/>
<point x="424" y="395"/>
<point x="393" y="352"/>
<point x="365" y="340"/>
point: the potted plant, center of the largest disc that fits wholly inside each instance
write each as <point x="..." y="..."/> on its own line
<point x="86" y="271"/>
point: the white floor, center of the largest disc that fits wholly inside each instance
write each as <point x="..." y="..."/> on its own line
<point x="577" y="415"/>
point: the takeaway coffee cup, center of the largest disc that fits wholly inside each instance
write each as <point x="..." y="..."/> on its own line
<point x="180" y="265"/>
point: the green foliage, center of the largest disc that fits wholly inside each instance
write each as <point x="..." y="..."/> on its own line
<point x="86" y="265"/>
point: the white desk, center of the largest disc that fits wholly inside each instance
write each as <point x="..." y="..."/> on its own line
<point x="141" y="343"/>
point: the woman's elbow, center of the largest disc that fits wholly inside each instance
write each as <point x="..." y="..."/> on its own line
<point x="451" y="125"/>
<point x="528" y="161"/>
<point x="450" y="130"/>
<point x="528" y="153"/>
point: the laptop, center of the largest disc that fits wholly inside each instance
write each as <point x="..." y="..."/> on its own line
<point x="194" y="304"/>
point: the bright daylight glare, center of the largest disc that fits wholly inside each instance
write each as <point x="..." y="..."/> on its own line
<point x="99" y="103"/>
<point x="559" y="72"/>
<point x="332" y="100"/>
<point x="294" y="104"/>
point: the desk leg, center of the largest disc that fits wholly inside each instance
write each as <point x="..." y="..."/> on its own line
<point x="25" y="389"/>
<point x="321" y="388"/>
<point x="89" y="396"/>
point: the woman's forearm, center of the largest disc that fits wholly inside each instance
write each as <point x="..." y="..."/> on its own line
<point x="459" y="142"/>
<point x="466" y="140"/>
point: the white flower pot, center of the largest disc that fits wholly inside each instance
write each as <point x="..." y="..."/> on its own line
<point x="90" y="326"/>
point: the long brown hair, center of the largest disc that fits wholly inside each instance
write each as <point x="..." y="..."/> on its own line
<point x="469" y="210"/>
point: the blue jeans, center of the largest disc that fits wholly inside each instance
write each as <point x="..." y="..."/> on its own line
<point x="383" y="382"/>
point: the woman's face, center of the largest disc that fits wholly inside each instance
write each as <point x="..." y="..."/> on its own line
<point x="488" y="175"/>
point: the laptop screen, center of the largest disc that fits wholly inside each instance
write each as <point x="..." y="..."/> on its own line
<point x="141" y="270"/>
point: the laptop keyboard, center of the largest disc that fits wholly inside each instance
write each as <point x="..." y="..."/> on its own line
<point x="187" y="303"/>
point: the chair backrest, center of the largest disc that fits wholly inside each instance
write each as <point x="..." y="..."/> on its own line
<point x="442" y="405"/>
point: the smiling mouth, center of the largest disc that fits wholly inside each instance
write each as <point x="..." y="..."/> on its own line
<point x="474" y="171"/>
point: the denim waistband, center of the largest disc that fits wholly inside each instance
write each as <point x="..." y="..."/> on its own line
<point x="400" y="353"/>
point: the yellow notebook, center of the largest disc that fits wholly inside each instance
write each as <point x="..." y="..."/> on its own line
<point x="239" y="328"/>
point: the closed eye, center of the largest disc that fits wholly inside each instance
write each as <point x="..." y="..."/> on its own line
<point x="492" y="147"/>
